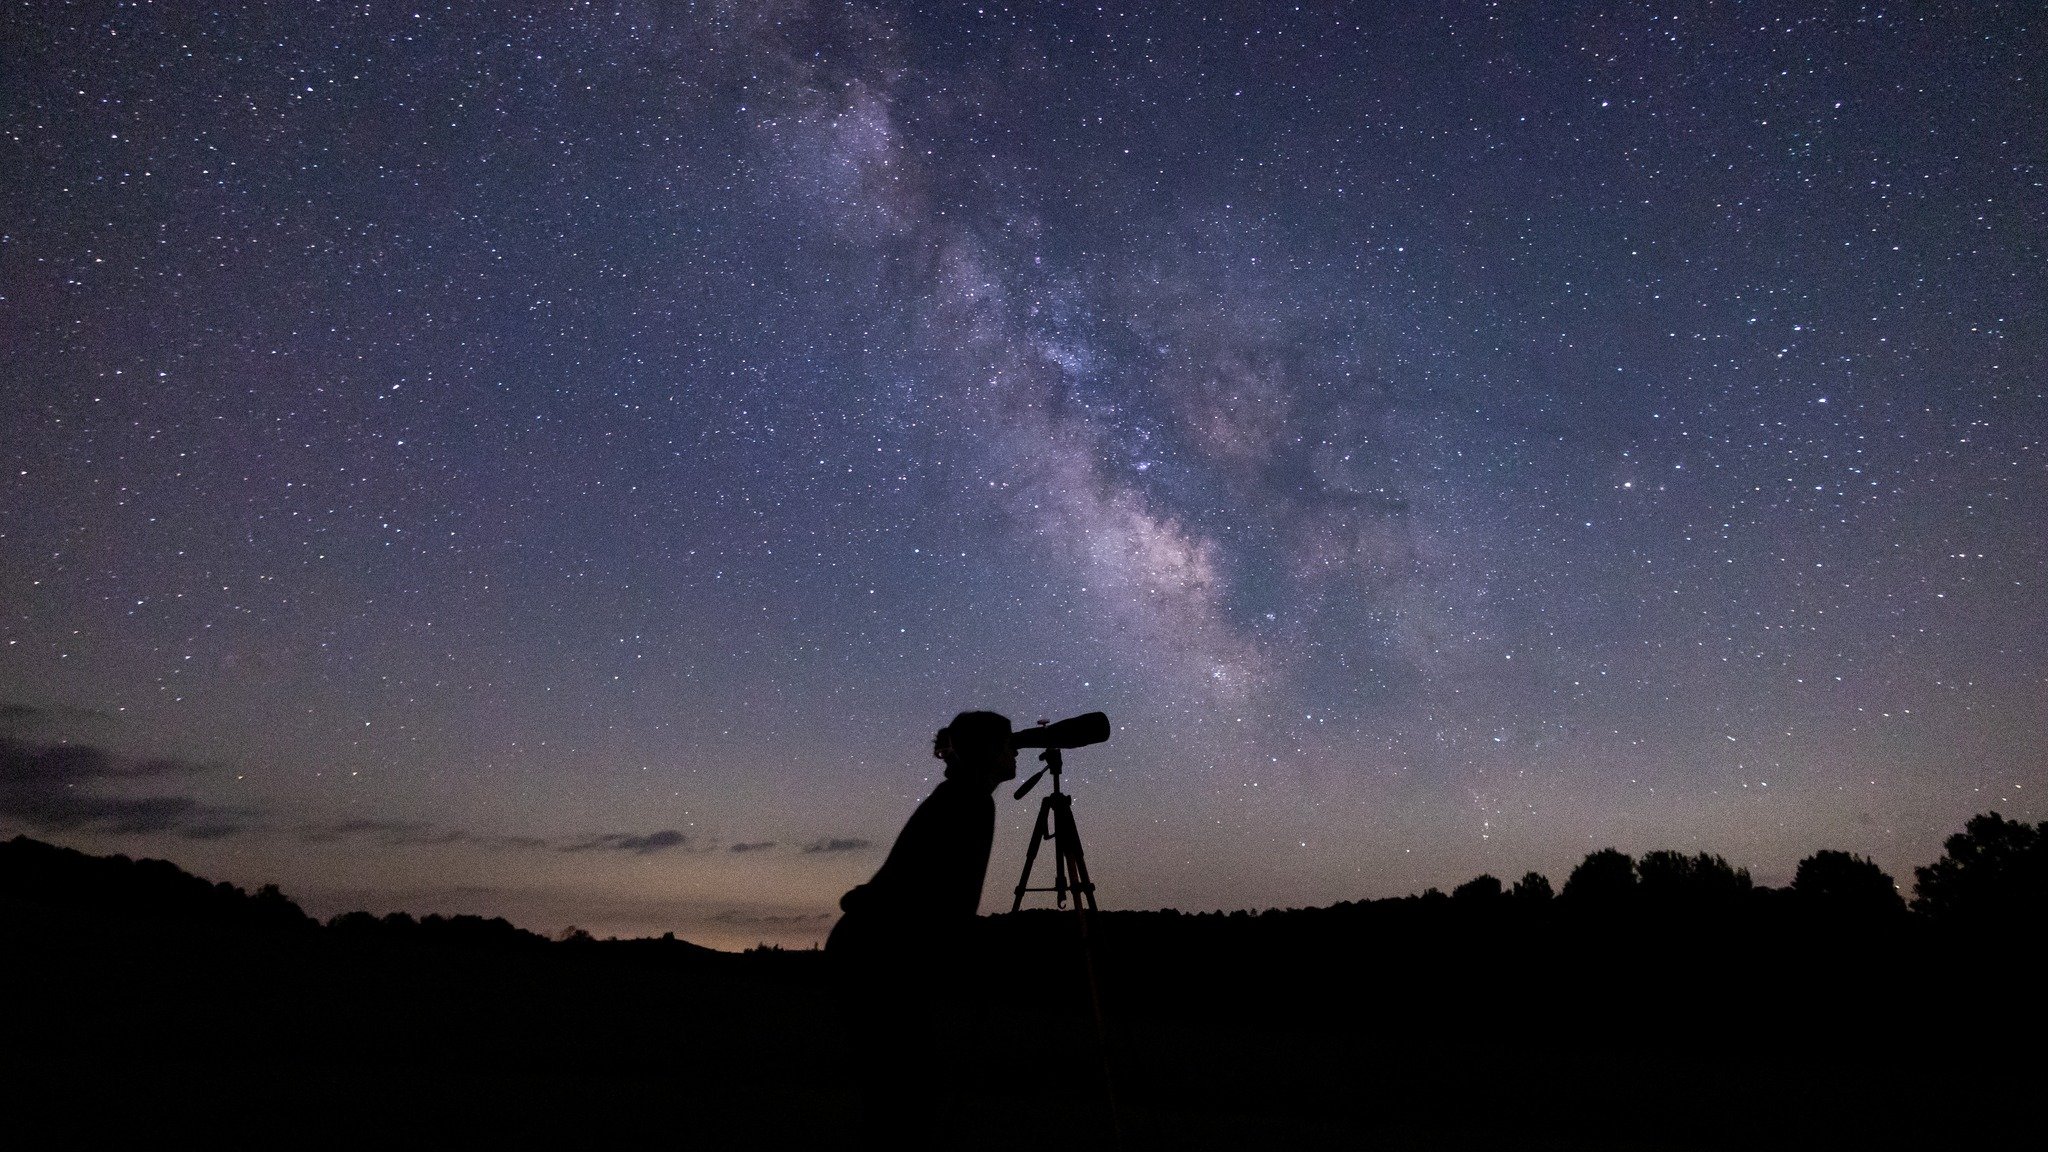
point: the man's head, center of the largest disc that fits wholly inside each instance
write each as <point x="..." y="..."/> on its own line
<point x="976" y="747"/>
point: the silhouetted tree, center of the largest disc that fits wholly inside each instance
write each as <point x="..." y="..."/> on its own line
<point x="1994" y="867"/>
<point x="1606" y="876"/>
<point x="1668" y="876"/>
<point x="1845" y="883"/>
<point x="1533" y="888"/>
<point x="358" y="923"/>
<point x="1481" y="889"/>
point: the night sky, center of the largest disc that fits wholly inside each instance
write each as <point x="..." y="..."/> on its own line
<point x="565" y="465"/>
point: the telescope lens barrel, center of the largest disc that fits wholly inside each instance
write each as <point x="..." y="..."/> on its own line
<point x="1073" y="732"/>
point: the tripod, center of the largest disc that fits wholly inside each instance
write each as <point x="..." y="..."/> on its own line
<point x="1056" y="823"/>
<point x="1069" y="875"/>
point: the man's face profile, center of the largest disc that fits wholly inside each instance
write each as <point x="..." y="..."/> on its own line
<point x="991" y="760"/>
<point x="977" y="746"/>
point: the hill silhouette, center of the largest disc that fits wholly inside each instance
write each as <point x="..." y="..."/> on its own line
<point x="45" y="888"/>
<point x="1666" y="1002"/>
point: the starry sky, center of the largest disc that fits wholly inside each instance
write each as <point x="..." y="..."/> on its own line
<point x="563" y="461"/>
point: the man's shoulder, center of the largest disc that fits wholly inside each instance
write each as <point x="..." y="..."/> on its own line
<point x="956" y="794"/>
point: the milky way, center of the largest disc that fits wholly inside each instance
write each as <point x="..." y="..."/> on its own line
<point x="565" y="466"/>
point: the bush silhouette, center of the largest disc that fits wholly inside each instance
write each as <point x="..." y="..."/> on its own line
<point x="1482" y="889"/>
<point x="1672" y="877"/>
<point x="1533" y="888"/>
<point x="1844" y="883"/>
<point x="1604" y="877"/>
<point x="1993" y="868"/>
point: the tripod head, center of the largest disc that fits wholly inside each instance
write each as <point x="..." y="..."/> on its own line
<point x="1051" y="756"/>
<point x="1073" y="732"/>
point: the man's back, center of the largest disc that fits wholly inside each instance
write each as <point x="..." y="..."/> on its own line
<point x="933" y="876"/>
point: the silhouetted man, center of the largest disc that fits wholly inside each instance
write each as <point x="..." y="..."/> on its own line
<point x="902" y="953"/>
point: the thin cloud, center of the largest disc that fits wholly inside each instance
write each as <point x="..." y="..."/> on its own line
<point x="383" y="831"/>
<point x="752" y="846"/>
<point x="57" y="787"/>
<point x="15" y="716"/>
<point x="638" y="845"/>
<point x="409" y="834"/>
<point x="837" y="844"/>
<point x="762" y="920"/>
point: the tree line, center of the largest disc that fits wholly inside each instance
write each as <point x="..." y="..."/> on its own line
<point x="1991" y="870"/>
<point x="1994" y="870"/>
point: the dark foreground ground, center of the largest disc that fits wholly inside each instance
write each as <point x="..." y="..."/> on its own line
<point x="1400" y="1024"/>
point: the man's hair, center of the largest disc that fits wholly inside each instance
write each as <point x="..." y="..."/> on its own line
<point x="972" y="732"/>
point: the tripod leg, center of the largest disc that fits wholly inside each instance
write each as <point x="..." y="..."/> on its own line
<point x="1067" y="842"/>
<point x="1031" y="853"/>
<point x="1059" y="866"/>
<point x="1062" y="823"/>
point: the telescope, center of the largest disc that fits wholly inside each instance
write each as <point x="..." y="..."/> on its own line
<point x="1073" y="732"/>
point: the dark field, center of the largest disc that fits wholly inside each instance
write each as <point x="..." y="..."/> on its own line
<point x="1421" y="1023"/>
